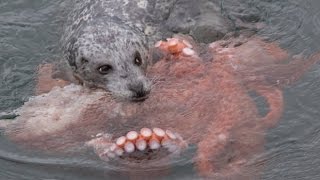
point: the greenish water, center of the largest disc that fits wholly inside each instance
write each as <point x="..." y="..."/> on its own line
<point x="29" y="35"/>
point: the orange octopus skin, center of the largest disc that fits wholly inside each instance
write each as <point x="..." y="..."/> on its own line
<point x="209" y="96"/>
<point x="45" y="72"/>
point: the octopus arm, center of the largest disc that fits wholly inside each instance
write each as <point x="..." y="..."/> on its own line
<point x="45" y="81"/>
<point x="274" y="98"/>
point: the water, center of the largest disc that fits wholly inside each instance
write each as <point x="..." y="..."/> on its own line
<point x="29" y="34"/>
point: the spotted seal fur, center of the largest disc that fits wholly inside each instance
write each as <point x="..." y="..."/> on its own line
<point x="106" y="43"/>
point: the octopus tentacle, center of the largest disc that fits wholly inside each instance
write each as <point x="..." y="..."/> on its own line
<point x="274" y="98"/>
<point x="216" y="138"/>
<point x="177" y="47"/>
<point x="213" y="144"/>
<point x="293" y="71"/>
<point x="45" y="81"/>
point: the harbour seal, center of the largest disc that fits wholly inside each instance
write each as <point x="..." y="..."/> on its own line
<point x="106" y="44"/>
<point x="106" y="41"/>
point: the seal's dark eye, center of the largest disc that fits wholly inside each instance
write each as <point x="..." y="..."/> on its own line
<point x="137" y="59"/>
<point x="105" y="69"/>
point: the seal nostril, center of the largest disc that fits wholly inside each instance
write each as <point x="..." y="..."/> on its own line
<point x="124" y="76"/>
<point x="138" y="90"/>
<point x="140" y="94"/>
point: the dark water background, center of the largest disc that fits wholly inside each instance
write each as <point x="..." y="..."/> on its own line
<point x="29" y="35"/>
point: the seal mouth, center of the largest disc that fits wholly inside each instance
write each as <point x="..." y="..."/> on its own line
<point x="139" y="99"/>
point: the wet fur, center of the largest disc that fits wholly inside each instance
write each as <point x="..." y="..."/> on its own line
<point x="99" y="32"/>
<point x="105" y="32"/>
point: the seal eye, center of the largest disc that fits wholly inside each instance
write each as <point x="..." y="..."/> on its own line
<point x="105" y="69"/>
<point x="137" y="59"/>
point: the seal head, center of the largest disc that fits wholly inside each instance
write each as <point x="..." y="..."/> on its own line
<point x="111" y="56"/>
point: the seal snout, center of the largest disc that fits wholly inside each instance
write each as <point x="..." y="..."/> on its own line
<point x="139" y="91"/>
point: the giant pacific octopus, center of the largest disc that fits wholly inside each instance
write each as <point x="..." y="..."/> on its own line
<point x="201" y="93"/>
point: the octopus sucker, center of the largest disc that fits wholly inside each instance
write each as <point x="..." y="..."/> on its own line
<point x="129" y="147"/>
<point x="132" y="136"/>
<point x="121" y="141"/>
<point x="144" y="141"/>
<point x="141" y="144"/>
<point x="146" y="133"/>
<point x="176" y="47"/>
